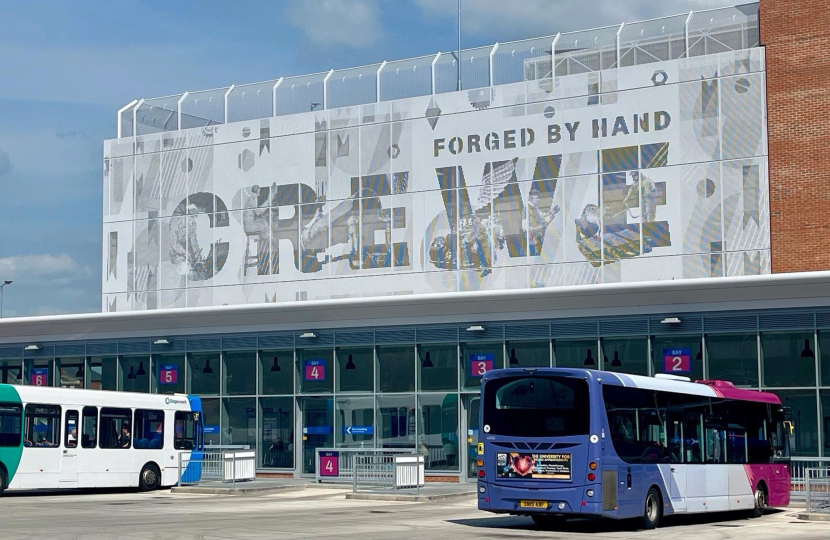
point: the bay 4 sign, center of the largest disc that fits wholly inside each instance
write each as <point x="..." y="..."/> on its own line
<point x="329" y="463"/>
<point x="677" y="360"/>
<point x="315" y="370"/>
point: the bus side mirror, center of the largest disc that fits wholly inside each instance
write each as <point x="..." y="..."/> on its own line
<point x="789" y="428"/>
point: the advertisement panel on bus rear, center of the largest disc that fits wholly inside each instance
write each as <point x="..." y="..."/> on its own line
<point x="534" y="466"/>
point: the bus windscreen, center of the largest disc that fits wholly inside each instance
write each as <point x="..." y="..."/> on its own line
<point x="536" y="406"/>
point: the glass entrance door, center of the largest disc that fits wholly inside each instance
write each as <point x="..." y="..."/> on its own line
<point x="471" y="410"/>
<point x="317" y="429"/>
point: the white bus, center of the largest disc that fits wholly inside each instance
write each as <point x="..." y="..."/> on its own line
<point x="54" y="438"/>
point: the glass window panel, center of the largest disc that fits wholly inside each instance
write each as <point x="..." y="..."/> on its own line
<point x="11" y="425"/>
<point x="203" y="374"/>
<point x="355" y="422"/>
<point x="133" y="374"/>
<point x="277" y="432"/>
<point x="89" y="427"/>
<point x="733" y="357"/>
<point x="11" y="371"/>
<point x="575" y="353"/>
<point x="210" y="421"/>
<point x="667" y="349"/>
<point x="825" y="414"/>
<point x="805" y="433"/>
<point x="396" y="421"/>
<point x="824" y="352"/>
<point x="239" y="422"/>
<point x="240" y="372"/>
<point x="148" y="429"/>
<point x="528" y="354"/>
<point x="102" y="373"/>
<point x="396" y="370"/>
<point x="625" y="355"/>
<point x="38" y="372"/>
<point x="43" y="426"/>
<point x="71" y="430"/>
<point x="438" y="431"/>
<point x="168" y="372"/>
<point x="314" y="370"/>
<point x="438" y="367"/>
<point x="355" y="369"/>
<point x="477" y="359"/>
<point x="116" y="426"/>
<point x="789" y="359"/>
<point x="185" y="431"/>
<point x="276" y="369"/>
<point x="71" y="372"/>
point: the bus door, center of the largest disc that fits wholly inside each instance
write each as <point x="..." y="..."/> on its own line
<point x="471" y="410"/>
<point x="674" y="438"/>
<point x="69" y="461"/>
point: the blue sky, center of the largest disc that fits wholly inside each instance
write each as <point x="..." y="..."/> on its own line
<point x="67" y="67"/>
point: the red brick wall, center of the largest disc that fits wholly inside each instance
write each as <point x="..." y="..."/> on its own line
<point x="796" y="34"/>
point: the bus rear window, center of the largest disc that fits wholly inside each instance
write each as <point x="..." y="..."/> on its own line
<point x="537" y="407"/>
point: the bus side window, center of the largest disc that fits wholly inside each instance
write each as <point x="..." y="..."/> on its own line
<point x="148" y="431"/>
<point x="71" y="430"/>
<point x="10" y="425"/>
<point x="43" y="426"/>
<point x="115" y="428"/>
<point x="89" y="427"/>
<point x="185" y="437"/>
<point x="693" y="433"/>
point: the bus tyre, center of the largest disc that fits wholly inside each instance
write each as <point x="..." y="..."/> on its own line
<point x="760" y="501"/>
<point x="548" y="522"/>
<point x="653" y="509"/>
<point x="150" y="478"/>
<point x="3" y="481"/>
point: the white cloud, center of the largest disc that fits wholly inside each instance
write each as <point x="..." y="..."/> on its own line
<point x="354" y="23"/>
<point x="20" y="267"/>
<point x="500" y="20"/>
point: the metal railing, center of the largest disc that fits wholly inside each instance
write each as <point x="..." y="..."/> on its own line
<point x="697" y="33"/>
<point x="216" y="468"/>
<point x="817" y="485"/>
<point x="386" y="471"/>
<point x="339" y="462"/>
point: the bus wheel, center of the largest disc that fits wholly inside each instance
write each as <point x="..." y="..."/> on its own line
<point x="548" y="522"/>
<point x="3" y="481"/>
<point x="150" y="478"/>
<point x="653" y="510"/>
<point x="760" y="501"/>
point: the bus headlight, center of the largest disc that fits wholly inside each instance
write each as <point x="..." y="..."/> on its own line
<point x="561" y="506"/>
<point x="590" y="493"/>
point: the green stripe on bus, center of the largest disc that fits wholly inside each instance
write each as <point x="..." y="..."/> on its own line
<point x="10" y="457"/>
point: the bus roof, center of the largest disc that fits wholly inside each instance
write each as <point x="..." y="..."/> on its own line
<point x="713" y="388"/>
<point x="99" y="398"/>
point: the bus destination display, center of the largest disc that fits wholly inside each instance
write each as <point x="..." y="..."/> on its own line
<point x="541" y="466"/>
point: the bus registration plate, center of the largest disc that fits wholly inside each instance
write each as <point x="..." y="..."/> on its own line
<point x="533" y="504"/>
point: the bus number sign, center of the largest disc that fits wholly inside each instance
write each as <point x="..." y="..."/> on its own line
<point x="315" y="370"/>
<point x="677" y="360"/>
<point x="169" y="374"/>
<point x="480" y="364"/>
<point x="39" y="376"/>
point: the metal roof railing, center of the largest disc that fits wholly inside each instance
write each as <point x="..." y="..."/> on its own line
<point x="697" y="33"/>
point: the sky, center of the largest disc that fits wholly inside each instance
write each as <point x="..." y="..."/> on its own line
<point x="67" y="67"/>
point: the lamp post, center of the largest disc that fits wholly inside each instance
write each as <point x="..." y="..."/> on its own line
<point x="7" y="282"/>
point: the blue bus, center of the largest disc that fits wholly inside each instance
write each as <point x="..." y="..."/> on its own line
<point x="560" y="443"/>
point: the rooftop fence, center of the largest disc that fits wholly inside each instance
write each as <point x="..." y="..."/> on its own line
<point x="697" y="33"/>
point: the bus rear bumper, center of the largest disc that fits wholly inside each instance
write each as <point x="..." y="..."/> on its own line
<point x="571" y="500"/>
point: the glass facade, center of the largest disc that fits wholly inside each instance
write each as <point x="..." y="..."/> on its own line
<point x="287" y="402"/>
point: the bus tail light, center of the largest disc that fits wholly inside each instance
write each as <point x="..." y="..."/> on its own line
<point x="591" y="477"/>
<point x="481" y="473"/>
<point x="592" y="465"/>
<point x="480" y="463"/>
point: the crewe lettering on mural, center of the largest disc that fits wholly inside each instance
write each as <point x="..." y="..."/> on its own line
<point x="523" y="137"/>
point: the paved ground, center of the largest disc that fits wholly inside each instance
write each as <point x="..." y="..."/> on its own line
<point x="324" y="513"/>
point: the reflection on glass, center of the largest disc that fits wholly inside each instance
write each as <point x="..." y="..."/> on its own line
<point x="102" y="373"/>
<point x="528" y="354"/>
<point x="438" y="431"/>
<point x="318" y="429"/>
<point x="240" y="372"/>
<point x="276" y="370"/>
<point x="355" y="422"/>
<point x="277" y="432"/>
<point x="203" y="373"/>
<point x="210" y="420"/>
<point x="788" y="359"/>
<point x="626" y="355"/>
<point x="396" y="369"/>
<point x="575" y="353"/>
<point x="11" y="371"/>
<point x="438" y="367"/>
<point x="355" y="369"/>
<point x="396" y="421"/>
<point x="239" y="422"/>
<point x="825" y="413"/>
<point x="803" y="406"/>
<point x="38" y="372"/>
<point x="71" y="372"/>
<point x="132" y="374"/>
<point x="733" y="357"/>
<point x="824" y="351"/>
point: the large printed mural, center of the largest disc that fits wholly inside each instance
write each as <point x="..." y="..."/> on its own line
<point x="650" y="172"/>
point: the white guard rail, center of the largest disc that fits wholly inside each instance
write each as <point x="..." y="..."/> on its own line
<point x="336" y="465"/>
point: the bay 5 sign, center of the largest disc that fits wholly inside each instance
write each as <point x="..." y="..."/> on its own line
<point x="169" y="374"/>
<point x="677" y="360"/>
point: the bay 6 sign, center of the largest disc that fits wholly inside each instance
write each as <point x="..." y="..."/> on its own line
<point x="642" y="173"/>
